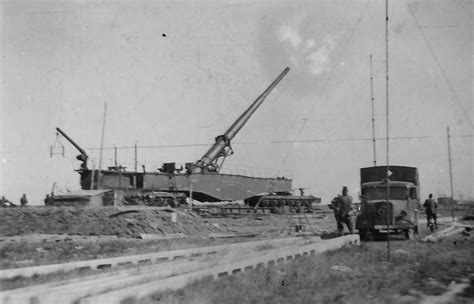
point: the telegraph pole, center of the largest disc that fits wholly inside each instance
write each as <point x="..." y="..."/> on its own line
<point x="450" y="174"/>
<point x="101" y="146"/>
<point x="135" y="156"/>
<point x="115" y="156"/>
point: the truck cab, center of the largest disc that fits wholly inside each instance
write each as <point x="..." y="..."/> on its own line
<point x="399" y="215"/>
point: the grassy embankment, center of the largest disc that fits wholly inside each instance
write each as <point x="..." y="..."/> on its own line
<point x="414" y="266"/>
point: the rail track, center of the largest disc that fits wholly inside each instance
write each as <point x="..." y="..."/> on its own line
<point x="150" y="273"/>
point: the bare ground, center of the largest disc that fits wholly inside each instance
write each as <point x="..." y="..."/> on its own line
<point x="45" y="235"/>
<point x="29" y="236"/>
<point x="416" y="273"/>
<point x="416" y="270"/>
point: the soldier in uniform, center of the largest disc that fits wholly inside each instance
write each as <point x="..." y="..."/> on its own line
<point x="342" y="207"/>
<point x="23" y="200"/>
<point x="49" y="200"/>
<point x="430" y="209"/>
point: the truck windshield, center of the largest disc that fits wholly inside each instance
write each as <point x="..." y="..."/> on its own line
<point x="377" y="193"/>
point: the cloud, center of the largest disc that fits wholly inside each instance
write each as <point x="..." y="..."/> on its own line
<point x="320" y="60"/>
<point x="310" y="43"/>
<point x="305" y="52"/>
<point x="286" y="33"/>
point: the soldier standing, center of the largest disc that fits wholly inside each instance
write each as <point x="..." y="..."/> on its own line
<point x="430" y="210"/>
<point x="23" y="200"/>
<point x="342" y="206"/>
<point x="49" y="200"/>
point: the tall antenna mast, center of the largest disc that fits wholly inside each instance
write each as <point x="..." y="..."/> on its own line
<point x="387" y="119"/>
<point x="373" y="115"/>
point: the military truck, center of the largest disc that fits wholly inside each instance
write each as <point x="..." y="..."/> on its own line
<point x="398" y="215"/>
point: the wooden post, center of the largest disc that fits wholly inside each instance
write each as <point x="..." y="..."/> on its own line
<point x="135" y="157"/>
<point x="101" y="145"/>
<point x="450" y="174"/>
<point x="115" y="156"/>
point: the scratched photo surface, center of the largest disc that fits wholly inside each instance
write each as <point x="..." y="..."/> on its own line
<point x="134" y="85"/>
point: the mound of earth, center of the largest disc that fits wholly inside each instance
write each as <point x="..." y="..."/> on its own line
<point x="43" y="235"/>
<point x="121" y="222"/>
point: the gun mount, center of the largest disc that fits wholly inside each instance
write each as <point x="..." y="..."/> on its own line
<point x="222" y="148"/>
<point x="200" y="180"/>
<point x="83" y="156"/>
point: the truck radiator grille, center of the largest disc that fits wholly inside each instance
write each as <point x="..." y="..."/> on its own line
<point x="381" y="210"/>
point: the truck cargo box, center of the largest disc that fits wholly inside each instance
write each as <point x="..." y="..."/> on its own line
<point x="399" y="173"/>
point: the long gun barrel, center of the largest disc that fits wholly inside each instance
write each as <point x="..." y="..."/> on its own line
<point x="223" y="141"/>
<point x="83" y="157"/>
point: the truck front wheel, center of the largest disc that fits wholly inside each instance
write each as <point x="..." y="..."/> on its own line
<point x="363" y="234"/>
<point x="409" y="234"/>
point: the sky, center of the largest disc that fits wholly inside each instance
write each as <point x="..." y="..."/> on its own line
<point x="175" y="74"/>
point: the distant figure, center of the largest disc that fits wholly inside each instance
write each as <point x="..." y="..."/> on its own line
<point x="48" y="201"/>
<point x="23" y="200"/>
<point x="430" y="209"/>
<point x="342" y="206"/>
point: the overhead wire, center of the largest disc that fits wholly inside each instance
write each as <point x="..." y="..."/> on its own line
<point x="443" y="73"/>
<point x="364" y="139"/>
<point x="288" y="141"/>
